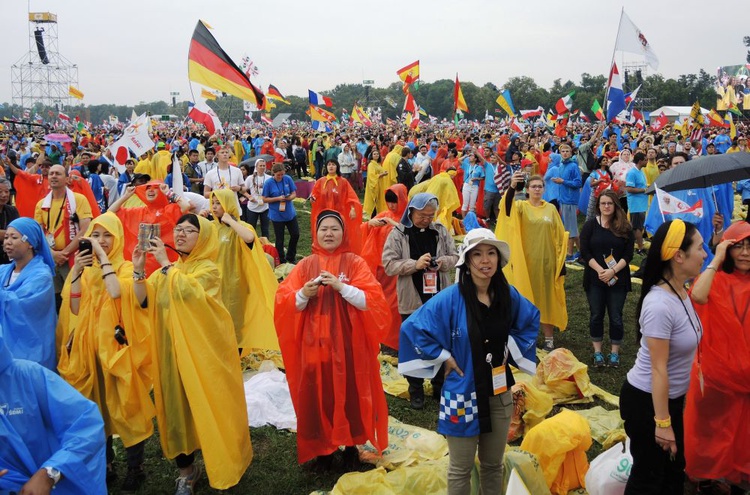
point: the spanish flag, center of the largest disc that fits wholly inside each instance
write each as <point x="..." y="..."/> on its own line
<point x="75" y="92"/>
<point x="458" y="98"/>
<point x="275" y="94"/>
<point x="409" y="75"/>
<point x="209" y="65"/>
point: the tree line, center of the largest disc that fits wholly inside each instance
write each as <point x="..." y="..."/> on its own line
<point x="435" y="98"/>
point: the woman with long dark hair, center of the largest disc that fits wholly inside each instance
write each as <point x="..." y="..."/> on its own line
<point x="475" y="328"/>
<point x="653" y="396"/>
<point x="607" y="249"/>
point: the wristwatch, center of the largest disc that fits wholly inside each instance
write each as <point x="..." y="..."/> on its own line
<point x="53" y="474"/>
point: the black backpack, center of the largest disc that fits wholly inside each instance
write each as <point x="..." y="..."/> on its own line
<point x="300" y="156"/>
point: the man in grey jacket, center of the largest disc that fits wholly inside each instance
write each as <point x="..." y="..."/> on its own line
<point x="421" y="253"/>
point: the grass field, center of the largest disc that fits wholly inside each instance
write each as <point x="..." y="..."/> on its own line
<point x="275" y="470"/>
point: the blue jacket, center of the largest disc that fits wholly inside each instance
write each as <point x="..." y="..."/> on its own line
<point x="438" y="330"/>
<point x="44" y="422"/>
<point x="27" y="313"/>
<point x="743" y="187"/>
<point x="570" y="189"/>
<point x="552" y="189"/>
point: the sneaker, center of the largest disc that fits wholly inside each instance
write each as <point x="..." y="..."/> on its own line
<point x="571" y="258"/>
<point x="185" y="484"/>
<point x="134" y="479"/>
<point x="548" y="346"/>
<point x="599" y="360"/>
<point x="614" y="360"/>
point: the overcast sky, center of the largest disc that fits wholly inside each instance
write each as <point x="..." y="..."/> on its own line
<point x="136" y="50"/>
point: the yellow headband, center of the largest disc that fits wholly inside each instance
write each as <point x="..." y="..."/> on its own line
<point x="673" y="240"/>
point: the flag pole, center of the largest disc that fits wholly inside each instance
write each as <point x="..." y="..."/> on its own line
<point x="611" y="63"/>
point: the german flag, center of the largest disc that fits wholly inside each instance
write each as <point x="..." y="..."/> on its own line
<point x="209" y="65"/>
<point x="275" y="94"/>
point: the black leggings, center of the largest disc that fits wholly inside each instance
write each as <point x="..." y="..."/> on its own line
<point x="135" y="453"/>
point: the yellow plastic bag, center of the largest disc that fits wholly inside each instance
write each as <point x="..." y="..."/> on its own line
<point x="564" y="377"/>
<point x="602" y="422"/>
<point x="407" y="445"/>
<point x="530" y="407"/>
<point x="560" y="443"/>
<point x="528" y="468"/>
<point x="428" y="478"/>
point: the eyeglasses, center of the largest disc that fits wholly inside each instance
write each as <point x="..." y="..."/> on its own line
<point x="607" y="203"/>
<point x="740" y="246"/>
<point x="536" y="186"/>
<point x="181" y="230"/>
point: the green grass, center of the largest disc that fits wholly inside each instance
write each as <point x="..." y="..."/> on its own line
<point x="275" y="470"/>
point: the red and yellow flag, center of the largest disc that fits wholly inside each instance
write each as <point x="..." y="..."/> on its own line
<point x="409" y="75"/>
<point x="207" y="95"/>
<point x="275" y="94"/>
<point x="459" y="103"/>
<point x="75" y="92"/>
<point x="209" y="65"/>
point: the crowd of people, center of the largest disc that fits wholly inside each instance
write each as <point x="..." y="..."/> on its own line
<point x="131" y="292"/>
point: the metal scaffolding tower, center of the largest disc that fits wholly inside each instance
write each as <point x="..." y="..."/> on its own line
<point x="43" y="75"/>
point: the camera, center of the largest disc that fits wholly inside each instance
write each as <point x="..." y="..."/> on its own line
<point x="120" y="335"/>
<point x="433" y="263"/>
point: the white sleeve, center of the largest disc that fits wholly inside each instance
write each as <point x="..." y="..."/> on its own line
<point x="354" y="296"/>
<point x="300" y="301"/>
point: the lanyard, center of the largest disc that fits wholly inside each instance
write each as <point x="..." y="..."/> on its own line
<point x="736" y="312"/>
<point x="699" y="330"/>
<point x="280" y="189"/>
<point x="59" y="214"/>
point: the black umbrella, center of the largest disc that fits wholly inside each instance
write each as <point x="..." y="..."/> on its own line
<point x="704" y="171"/>
<point x="251" y="161"/>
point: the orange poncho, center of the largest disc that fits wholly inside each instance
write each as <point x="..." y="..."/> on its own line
<point x="160" y="211"/>
<point x="335" y="193"/>
<point x="30" y="188"/>
<point x="716" y="429"/>
<point x="372" y="252"/>
<point x="330" y="352"/>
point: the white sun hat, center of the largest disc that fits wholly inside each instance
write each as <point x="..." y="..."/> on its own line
<point x="476" y="237"/>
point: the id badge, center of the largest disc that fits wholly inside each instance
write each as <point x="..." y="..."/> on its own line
<point x="429" y="283"/>
<point x="282" y="206"/>
<point x="499" y="380"/>
<point x="50" y="240"/>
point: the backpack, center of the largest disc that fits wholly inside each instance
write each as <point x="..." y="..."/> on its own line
<point x="300" y="156"/>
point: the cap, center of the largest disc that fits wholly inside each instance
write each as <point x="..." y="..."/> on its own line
<point x="161" y="144"/>
<point x="139" y="177"/>
<point x="476" y="237"/>
<point x="737" y="231"/>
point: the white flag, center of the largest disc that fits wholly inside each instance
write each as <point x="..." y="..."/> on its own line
<point x="177" y="182"/>
<point x="135" y="136"/>
<point x="630" y="39"/>
<point x="669" y="204"/>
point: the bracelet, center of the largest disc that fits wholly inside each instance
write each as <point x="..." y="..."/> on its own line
<point x="77" y="278"/>
<point x="166" y="268"/>
<point x="137" y="276"/>
<point x="139" y="280"/>
<point x="107" y="275"/>
<point x="717" y="232"/>
<point x="75" y="295"/>
<point x="663" y="423"/>
<point x="102" y="265"/>
<point x="711" y="267"/>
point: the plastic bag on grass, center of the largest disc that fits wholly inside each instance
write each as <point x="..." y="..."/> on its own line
<point x="268" y="400"/>
<point x="527" y="467"/>
<point x="394" y="383"/>
<point x="428" y="478"/>
<point x="530" y="407"/>
<point x="407" y="445"/>
<point x="560" y="443"/>
<point x="610" y="471"/>
<point x="564" y="377"/>
<point x="602" y="422"/>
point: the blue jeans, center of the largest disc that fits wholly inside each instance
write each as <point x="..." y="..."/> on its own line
<point x="613" y="300"/>
<point x="278" y="230"/>
<point x="252" y="219"/>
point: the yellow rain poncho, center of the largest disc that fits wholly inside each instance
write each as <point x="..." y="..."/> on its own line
<point x="375" y="189"/>
<point x="116" y="377"/>
<point x="538" y="245"/>
<point x="442" y="186"/>
<point x="198" y="390"/>
<point x="248" y="284"/>
<point x="391" y="162"/>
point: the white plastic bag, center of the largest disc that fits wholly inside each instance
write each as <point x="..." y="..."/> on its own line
<point x="610" y="471"/>
<point x="268" y="400"/>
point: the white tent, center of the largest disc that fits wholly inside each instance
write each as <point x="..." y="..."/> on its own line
<point x="673" y="113"/>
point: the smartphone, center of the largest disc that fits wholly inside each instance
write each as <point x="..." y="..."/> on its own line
<point x="84" y="246"/>
<point x="120" y="336"/>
